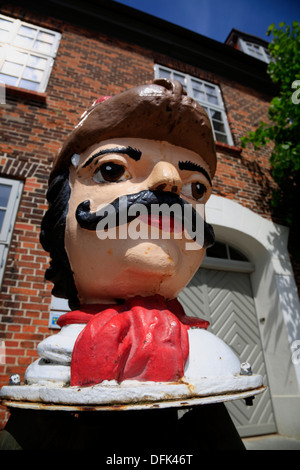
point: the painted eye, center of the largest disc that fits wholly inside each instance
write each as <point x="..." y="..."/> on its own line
<point x="195" y="190"/>
<point x="111" y="172"/>
<point x="198" y="190"/>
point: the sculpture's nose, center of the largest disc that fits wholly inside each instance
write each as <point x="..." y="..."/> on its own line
<point x="165" y="177"/>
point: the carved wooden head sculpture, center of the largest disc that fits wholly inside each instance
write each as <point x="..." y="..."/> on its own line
<point x="149" y="145"/>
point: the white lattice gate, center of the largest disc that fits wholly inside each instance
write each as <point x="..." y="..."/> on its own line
<point x="225" y="299"/>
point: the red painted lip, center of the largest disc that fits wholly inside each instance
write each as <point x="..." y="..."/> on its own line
<point x="163" y="223"/>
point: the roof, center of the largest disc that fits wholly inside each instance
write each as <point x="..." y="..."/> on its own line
<point x="133" y="26"/>
<point x="235" y="34"/>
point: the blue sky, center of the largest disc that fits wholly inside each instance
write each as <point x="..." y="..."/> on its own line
<point x="216" y="18"/>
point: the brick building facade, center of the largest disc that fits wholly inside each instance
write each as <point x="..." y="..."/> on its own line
<point x="104" y="59"/>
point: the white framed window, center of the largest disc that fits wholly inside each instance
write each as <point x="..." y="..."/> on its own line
<point x="27" y="54"/>
<point x="10" y="195"/>
<point x="224" y="257"/>
<point x="256" y="50"/>
<point x="207" y="94"/>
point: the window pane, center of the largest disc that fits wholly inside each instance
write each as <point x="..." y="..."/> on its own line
<point x="33" y="74"/>
<point x="5" y="24"/>
<point x="218" y="126"/>
<point x="26" y="31"/>
<point x="2" y="214"/>
<point x="5" y="190"/>
<point x="29" y="85"/>
<point x="8" y="80"/>
<point x="4" y="35"/>
<point x="12" y="69"/>
<point x="16" y="56"/>
<point x="37" y="62"/>
<point x="197" y="85"/>
<point x="211" y="90"/>
<point x="198" y="95"/>
<point x="215" y="115"/>
<point x="43" y="47"/>
<point x="46" y="37"/>
<point x="5" y="28"/>
<point x="212" y="99"/>
<point x="164" y="73"/>
<point x="218" y="250"/>
<point x="180" y="78"/>
<point x="221" y="137"/>
<point x="23" y="41"/>
<point x="236" y="255"/>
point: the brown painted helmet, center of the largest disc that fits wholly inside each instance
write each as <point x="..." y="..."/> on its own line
<point x="160" y="111"/>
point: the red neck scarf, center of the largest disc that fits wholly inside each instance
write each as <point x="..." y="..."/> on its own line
<point x="144" y="339"/>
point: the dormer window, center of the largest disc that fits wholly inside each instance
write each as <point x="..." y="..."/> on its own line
<point x="256" y="50"/>
<point x="250" y="45"/>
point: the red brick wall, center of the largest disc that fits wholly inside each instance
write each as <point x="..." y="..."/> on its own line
<point x="243" y="176"/>
<point x="87" y="66"/>
<point x="34" y="126"/>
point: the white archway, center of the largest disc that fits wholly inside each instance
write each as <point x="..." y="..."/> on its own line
<point x="276" y="299"/>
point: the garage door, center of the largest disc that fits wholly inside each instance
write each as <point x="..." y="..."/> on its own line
<point x="224" y="297"/>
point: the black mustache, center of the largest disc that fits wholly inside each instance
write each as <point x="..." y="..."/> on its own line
<point x="117" y="212"/>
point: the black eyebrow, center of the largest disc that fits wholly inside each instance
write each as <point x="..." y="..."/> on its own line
<point x="131" y="152"/>
<point x="190" y="166"/>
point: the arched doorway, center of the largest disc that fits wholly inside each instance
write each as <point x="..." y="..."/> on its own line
<point x="221" y="293"/>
